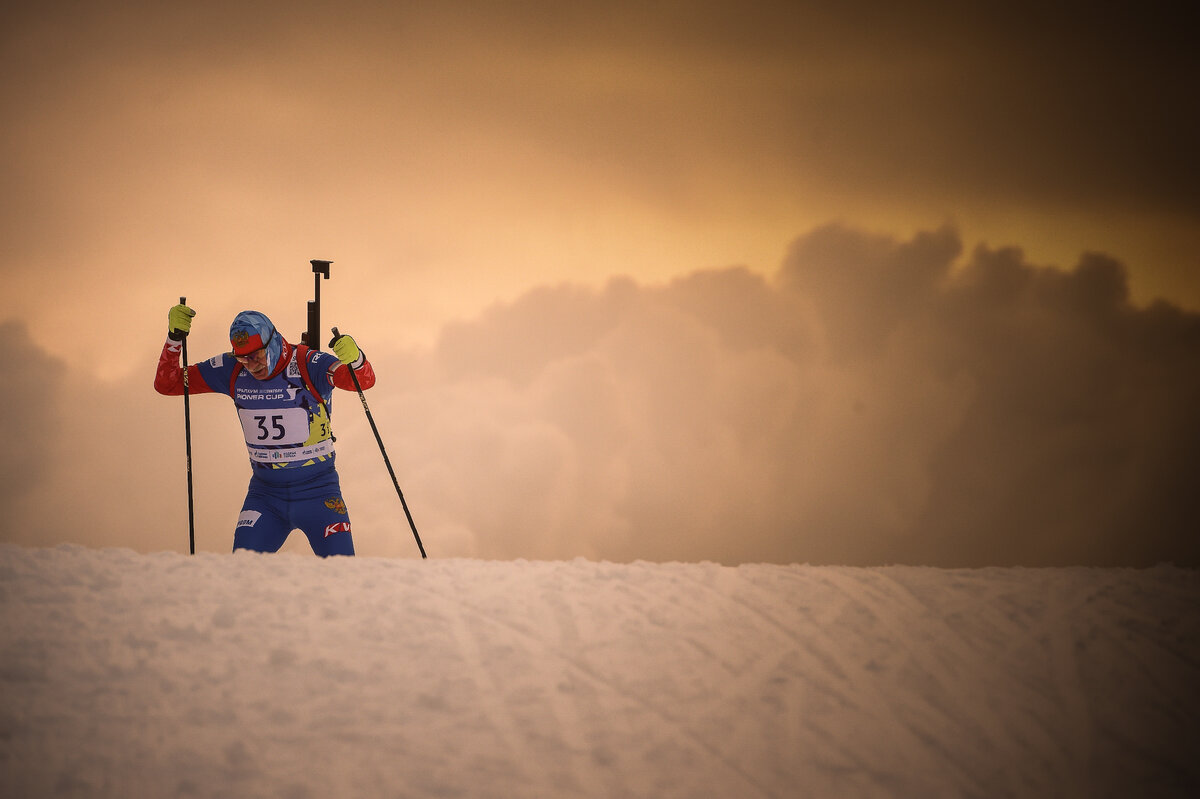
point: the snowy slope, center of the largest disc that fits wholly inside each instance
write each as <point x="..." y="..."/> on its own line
<point x="124" y="674"/>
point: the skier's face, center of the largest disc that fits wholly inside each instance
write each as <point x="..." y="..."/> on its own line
<point x="255" y="362"/>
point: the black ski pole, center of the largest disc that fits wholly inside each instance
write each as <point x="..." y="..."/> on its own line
<point x="187" y="432"/>
<point x="383" y="451"/>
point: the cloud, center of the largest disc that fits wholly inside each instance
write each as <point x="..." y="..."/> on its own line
<point x="32" y="381"/>
<point x="876" y="401"/>
<point x="1076" y="446"/>
<point x="101" y="461"/>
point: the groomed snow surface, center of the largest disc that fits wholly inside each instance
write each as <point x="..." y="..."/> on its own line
<point x="133" y="675"/>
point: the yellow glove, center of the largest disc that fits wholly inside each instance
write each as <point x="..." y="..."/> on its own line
<point x="179" y="321"/>
<point x="346" y="350"/>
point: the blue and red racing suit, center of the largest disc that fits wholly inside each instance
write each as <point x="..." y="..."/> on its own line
<point x="286" y="421"/>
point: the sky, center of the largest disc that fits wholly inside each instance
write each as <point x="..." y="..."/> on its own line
<point x="691" y="281"/>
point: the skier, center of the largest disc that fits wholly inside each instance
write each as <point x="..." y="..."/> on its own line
<point x="282" y="394"/>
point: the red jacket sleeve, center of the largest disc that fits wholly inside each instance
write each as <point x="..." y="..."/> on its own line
<point x="365" y="374"/>
<point x="168" y="379"/>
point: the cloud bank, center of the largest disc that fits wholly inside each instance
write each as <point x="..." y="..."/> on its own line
<point x="875" y="401"/>
<point x="30" y="377"/>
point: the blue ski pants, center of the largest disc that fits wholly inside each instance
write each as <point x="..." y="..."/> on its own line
<point x="315" y="506"/>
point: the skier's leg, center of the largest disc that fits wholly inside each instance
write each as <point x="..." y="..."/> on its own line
<point x="328" y="529"/>
<point x="323" y="517"/>
<point x="260" y="526"/>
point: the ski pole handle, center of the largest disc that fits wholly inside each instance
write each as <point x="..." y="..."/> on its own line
<point x="181" y="333"/>
<point x="336" y="336"/>
<point x="353" y="375"/>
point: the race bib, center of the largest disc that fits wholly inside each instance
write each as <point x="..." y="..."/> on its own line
<point x="274" y="426"/>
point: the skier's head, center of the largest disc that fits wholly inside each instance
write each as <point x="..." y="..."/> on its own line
<point x="252" y="330"/>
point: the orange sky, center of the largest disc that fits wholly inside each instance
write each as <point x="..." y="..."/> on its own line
<point x="449" y="159"/>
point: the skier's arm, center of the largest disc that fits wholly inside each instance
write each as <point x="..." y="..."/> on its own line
<point x="351" y="357"/>
<point x="364" y="373"/>
<point x="168" y="379"/>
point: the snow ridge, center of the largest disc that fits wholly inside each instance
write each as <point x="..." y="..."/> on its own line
<point x="124" y="674"/>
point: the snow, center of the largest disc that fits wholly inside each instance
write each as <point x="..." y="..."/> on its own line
<point x="126" y="674"/>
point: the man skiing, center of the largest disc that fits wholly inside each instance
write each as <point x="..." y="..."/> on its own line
<point x="282" y="394"/>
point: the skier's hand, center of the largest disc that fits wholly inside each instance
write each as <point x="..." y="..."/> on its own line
<point x="346" y="350"/>
<point x="179" y="321"/>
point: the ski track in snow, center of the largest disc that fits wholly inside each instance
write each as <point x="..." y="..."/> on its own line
<point x="124" y="674"/>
